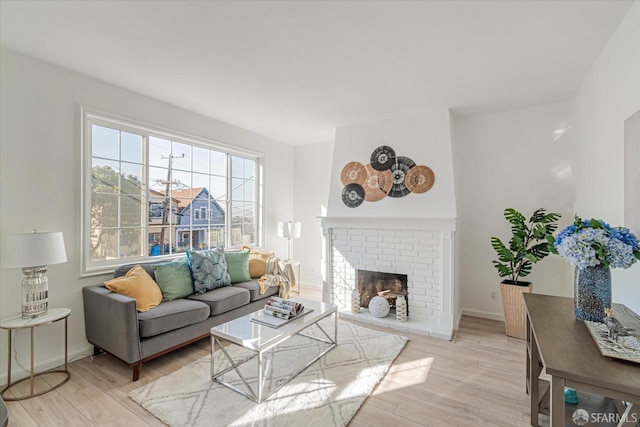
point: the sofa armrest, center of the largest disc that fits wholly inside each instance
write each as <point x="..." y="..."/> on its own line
<point x="111" y="322"/>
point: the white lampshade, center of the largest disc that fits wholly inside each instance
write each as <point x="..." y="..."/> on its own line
<point x="289" y="230"/>
<point x="34" y="249"/>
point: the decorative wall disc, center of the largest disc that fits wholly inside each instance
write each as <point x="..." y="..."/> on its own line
<point x="403" y="163"/>
<point x="386" y="175"/>
<point x="383" y="157"/>
<point x="353" y="195"/>
<point x="419" y="179"/>
<point x="353" y="173"/>
<point x="399" y="171"/>
<point x="377" y="184"/>
<point x="398" y="190"/>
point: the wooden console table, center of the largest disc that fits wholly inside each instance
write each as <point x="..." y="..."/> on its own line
<point x="562" y="345"/>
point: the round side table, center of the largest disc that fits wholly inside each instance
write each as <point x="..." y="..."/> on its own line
<point x="17" y="322"/>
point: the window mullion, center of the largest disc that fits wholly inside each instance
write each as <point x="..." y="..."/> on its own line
<point x="119" y="211"/>
<point x="147" y="192"/>
<point x="227" y="217"/>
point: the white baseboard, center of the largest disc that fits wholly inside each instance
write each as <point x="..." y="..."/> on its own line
<point x="483" y="314"/>
<point x="17" y="373"/>
<point x="311" y="286"/>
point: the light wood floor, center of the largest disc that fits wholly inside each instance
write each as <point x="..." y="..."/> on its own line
<point x="475" y="380"/>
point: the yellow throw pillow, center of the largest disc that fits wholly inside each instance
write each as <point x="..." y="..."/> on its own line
<point x="138" y="285"/>
<point x="257" y="261"/>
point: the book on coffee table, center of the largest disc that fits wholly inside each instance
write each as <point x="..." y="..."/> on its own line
<point x="275" y="322"/>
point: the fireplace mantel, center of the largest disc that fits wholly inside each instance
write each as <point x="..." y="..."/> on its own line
<point x="387" y="223"/>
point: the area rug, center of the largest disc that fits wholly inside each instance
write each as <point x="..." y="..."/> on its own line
<point x="327" y="393"/>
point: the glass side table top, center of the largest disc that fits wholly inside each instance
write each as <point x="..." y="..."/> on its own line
<point x="248" y="334"/>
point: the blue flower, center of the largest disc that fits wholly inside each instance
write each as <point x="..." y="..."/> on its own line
<point x="620" y="254"/>
<point x="626" y="236"/>
<point x="584" y="245"/>
<point x="564" y="233"/>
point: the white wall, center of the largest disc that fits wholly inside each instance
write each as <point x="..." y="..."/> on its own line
<point x="312" y="173"/>
<point x="425" y="139"/>
<point x="609" y="94"/>
<point x="512" y="159"/>
<point x="40" y="172"/>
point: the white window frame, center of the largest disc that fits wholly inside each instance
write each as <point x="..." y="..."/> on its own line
<point x="90" y="117"/>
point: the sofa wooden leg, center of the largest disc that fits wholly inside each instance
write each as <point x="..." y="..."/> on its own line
<point x="137" y="370"/>
<point x="96" y="350"/>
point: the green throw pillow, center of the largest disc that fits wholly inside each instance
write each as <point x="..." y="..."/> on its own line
<point x="208" y="269"/>
<point x="238" y="266"/>
<point x="174" y="279"/>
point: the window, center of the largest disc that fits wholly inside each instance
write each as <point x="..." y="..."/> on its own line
<point x="152" y="193"/>
<point x="155" y="210"/>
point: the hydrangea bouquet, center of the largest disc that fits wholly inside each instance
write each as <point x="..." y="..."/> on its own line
<point x="593" y="242"/>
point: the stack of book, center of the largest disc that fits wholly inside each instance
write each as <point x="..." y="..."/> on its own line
<point x="283" y="308"/>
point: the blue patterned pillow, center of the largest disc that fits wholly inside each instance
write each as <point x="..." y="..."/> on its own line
<point x="209" y="270"/>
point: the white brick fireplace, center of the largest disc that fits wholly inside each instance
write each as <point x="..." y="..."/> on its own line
<point x="420" y="248"/>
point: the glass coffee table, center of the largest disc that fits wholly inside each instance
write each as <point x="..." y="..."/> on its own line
<point x="258" y="338"/>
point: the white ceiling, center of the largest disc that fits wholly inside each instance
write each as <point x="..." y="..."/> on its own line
<point x="294" y="71"/>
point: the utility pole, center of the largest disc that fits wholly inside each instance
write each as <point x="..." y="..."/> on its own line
<point x="166" y="203"/>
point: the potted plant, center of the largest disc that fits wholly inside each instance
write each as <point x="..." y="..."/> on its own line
<point x="527" y="246"/>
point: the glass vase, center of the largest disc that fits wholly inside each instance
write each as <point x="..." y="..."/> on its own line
<point x="592" y="292"/>
<point x="401" y="309"/>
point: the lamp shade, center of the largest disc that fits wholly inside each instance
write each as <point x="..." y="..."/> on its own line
<point x="34" y="249"/>
<point x="289" y="230"/>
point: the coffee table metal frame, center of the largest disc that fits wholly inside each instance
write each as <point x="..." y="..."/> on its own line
<point x="258" y="347"/>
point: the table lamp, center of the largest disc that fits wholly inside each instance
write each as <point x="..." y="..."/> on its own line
<point x="33" y="252"/>
<point x="289" y="230"/>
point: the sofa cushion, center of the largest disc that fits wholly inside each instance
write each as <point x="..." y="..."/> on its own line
<point x="254" y="290"/>
<point x="223" y="299"/>
<point x="123" y="269"/>
<point x="209" y="269"/>
<point x="174" y="279"/>
<point x="137" y="284"/>
<point x="258" y="262"/>
<point x="171" y="315"/>
<point x="238" y="266"/>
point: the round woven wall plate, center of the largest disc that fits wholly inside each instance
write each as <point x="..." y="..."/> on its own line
<point x="419" y="179"/>
<point x="353" y="173"/>
<point x="383" y="158"/>
<point x="377" y="184"/>
<point x="353" y="195"/>
<point x="399" y="172"/>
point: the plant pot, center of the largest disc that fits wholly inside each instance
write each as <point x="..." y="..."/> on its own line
<point x="515" y="315"/>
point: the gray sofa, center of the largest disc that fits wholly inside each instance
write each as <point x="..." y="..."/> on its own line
<point x="113" y="324"/>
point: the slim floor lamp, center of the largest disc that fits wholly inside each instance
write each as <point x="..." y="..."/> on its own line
<point x="289" y="230"/>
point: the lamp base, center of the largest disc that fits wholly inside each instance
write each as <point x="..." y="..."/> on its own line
<point x="35" y="292"/>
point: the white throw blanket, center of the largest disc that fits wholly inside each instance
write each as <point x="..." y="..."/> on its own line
<point x="278" y="274"/>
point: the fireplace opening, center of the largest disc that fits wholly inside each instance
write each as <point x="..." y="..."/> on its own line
<point x="387" y="285"/>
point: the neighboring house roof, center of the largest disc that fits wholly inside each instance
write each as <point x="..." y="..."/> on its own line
<point x="186" y="196"/>
<point x="160" y="194"/>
